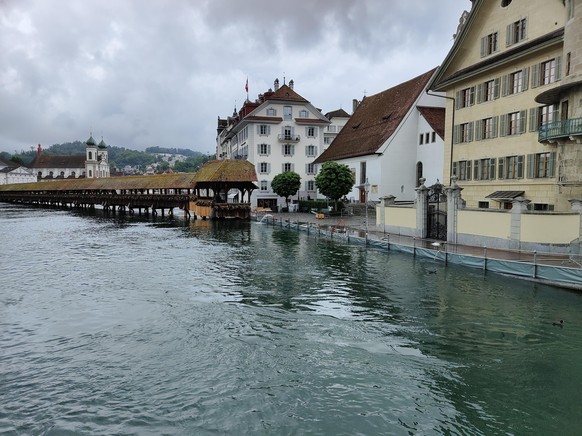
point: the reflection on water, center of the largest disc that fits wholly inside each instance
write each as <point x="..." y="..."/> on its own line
<point x="148" y="325"/>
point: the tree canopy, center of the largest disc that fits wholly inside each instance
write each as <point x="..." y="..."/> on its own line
<point x="334" y="180"/>
<point x="286" y="184"/>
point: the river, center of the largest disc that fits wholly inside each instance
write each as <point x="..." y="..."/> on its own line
<point x="119" y="325"/>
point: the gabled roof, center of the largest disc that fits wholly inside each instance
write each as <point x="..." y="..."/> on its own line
<point x="51" y="161"/>
<point x="339" y="113"/>
<point x="435" y="117"/>
<point x="285" y="93"/>
<point x="375" y="120"/>
<point x="228" y="170"/>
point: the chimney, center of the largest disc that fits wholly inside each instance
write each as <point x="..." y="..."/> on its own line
<point x="276" y="84"/>
<point x="291" y="83"/>
<point x="355" y="104"/>
<point x="39" y="150"/>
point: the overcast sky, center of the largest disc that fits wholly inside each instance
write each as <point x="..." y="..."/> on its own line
<point x="143" y="73"/>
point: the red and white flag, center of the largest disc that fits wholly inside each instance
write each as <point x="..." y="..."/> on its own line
<point x="247" y="85"/>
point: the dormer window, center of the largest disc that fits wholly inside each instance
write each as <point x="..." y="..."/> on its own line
<point x="505" y="3"/>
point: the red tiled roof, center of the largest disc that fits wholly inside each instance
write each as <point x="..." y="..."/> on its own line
<point x="287" y="94"/>
<point x="338" y="113"/>
<point x="435" y="117"/>
<point x="263" y="118"/>
<point x="375" y="120"/>
<point x="50" y="161"/>
<point x="311" y="121"/>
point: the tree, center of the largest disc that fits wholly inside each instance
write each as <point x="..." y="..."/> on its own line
<point x="334" y="181"/>
<point x="286" y="184"/>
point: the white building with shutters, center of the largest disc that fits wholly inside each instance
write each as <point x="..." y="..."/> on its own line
<point x="280" y="131"/>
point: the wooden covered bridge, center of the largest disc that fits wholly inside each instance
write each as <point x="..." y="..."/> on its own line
<point x="203" y="194"/>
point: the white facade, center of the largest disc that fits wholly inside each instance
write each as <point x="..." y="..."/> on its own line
<point x="97" y="160"/>
<point x="279" y="132"/>
<point x="11" y="172"/>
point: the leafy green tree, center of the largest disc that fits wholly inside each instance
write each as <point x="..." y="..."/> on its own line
<point x="334" y="181"/>
<point x="286" y="184"/>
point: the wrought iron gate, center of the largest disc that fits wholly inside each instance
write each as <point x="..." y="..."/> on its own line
<point x="436" y="210"/>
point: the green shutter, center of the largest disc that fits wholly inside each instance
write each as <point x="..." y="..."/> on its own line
<point x="496" y="88"/>
<point x="470" y="133"/>
<point x="501" y="169"/>
<point x="480" y="87"/>
<point x="455" y="169"/>
<point x="476" y="169"/>
<point x="522" y="121"/>
<point x="503" y="126"/>
<point x="535" y="75"/>
<point x="492" y="168"/>
<point x="520" y="166"/>
<point x="530" y="166"/>
<point x="558" y="67"/>
<point x="495" y="121"/>
<point x="525" y="78"/>
<point x="468" y="169"/>
<point x="478" y="130"/>
<point x="552" y="164"/>
<point x="504" y="85"/>
<point x="533" y="118"/>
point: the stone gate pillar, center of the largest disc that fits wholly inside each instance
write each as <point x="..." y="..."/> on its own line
<point x="454" y="203"/>
<point x="519" y="206"/>
<point x="576" y="205"/>
<point x="421" y="204"/>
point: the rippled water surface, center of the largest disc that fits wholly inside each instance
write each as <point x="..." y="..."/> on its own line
<point x="148" y="327"/>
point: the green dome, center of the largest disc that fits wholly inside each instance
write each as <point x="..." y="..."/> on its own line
<point x="91" y="142"/>
<point x="102" y="144"/>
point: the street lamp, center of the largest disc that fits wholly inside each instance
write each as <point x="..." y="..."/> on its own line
<point x="366" y="190"/>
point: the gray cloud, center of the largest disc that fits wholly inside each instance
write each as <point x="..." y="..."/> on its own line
<point x="149" y="72"/>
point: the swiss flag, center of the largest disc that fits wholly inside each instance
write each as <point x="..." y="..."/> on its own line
<point x="247" y="85"/>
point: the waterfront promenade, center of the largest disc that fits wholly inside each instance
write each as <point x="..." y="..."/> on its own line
<point x="561" y="270"/>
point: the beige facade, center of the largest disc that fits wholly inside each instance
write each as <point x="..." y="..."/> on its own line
<point x="513" y="119"/>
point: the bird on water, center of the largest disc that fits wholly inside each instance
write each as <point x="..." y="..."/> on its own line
<point x="561" y="323"/>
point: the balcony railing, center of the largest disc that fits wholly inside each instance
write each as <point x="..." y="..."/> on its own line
<point x="560" y="129"/>
<point x="289" y="138"/>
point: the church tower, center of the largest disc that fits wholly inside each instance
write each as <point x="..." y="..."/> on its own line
<point x="91" y="162"/>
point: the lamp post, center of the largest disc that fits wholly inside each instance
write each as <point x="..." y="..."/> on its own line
<point x="366" y="190"/>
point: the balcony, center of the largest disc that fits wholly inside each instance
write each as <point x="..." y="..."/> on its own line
<point x="553" y="132"/>
<point x="289" y="138"/>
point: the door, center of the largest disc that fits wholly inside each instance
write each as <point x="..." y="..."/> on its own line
<point x="436" y="210"/>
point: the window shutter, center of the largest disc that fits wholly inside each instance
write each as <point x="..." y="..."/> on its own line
<point x="500" y="167"/>
<point x="269" y="147"/>
<point x="315" y="129"/>
<point x="315" y="150"/>
<point x="525" y="79"/>
<point x="530" y="166"/>
<point x="292" y="167"/>
<point x="258" y="129"/>
<point x="494" y="121"/>
<point x="470" y="133"/>
<point x="522" y="121"/>
<point x="458" y="100"/>
<point x="504" y="85"/>
<point x="268" y="168"/>
<point x="471" y="95"/>
<point x="258" y="149"/>
<point x="476" y="170"/>
<point x="468" y="169"/>
<point x="533" y="118"/>
<point x="492" y="168"/>
<point x="455" y="169"/>
<point x="552" y="164"/>
<point x="503" y="126"/>
<point x="483" y="46"/>
<point x="520" y="166"/>
<point x="535" y="75"/>
<point x="558" y="67"/>
<point x="508" y="35"/>
<point x="480" y="87"/>
<point x="496" y="88"/>
<point x="478" y="130"/>
<point x="456" y="133"/>
<point x="268" y="131"/>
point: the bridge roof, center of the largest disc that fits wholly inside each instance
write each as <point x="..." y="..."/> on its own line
<point x="233" y="172"/>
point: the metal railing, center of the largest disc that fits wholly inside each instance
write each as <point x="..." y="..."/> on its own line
<point x="560" y="129"/>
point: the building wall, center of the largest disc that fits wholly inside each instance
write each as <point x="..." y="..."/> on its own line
<point x="550" y="229"/>
<point x="491" y="224"/>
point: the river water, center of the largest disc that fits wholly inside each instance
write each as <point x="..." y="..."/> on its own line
<point x="148" y="327"/>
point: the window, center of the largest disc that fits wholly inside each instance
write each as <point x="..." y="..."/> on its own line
<point x="264" y="168"/>
<point x="542" y="207"/>
<point x="420" y="139"/>
<point x="426" y="137"/>
<point x="433" y="137"/>
<point x="463" y="133"/>
<point x="513" y="123"/>
<point x="505" y="3"/>
<point x="541" y="165"/>
<point x="327" y="140"/>
<point x="264" y="130"/>
<point x="331" y="129"/>
<point x="288" y="149"/>
<point x="484" y="169"/>
<point x="310" y="168"/>
<point x="311" y="150"/>
<point x="90" y="155"/>
<point x="264" y="149"/>
<point x="287" y="167"/>
<point x="287" y="112"/>
<point x="264" y="185"/>
<point x="310" y="132"/>
<point x="363" y="174"/>
<point x="462" y="169"/>
<point x="546" y="72"/>
<point x="271" y="112"/>
<point x="510" y="167"/>
<point x="516" y="31"/>
<point x="568" y="63"/>
<point x="515" y="82"/>
<point x="303" y="114"/>
<point x="489" y="44"/>
<point x="465" y="97"/>
<point x="483" y="205"/>
<point x="542" y="116"/>
<point x="488" y="91"/>
<point x="310" y="185"/>
<point x="486" y="128"/>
